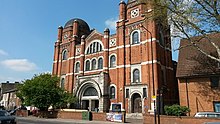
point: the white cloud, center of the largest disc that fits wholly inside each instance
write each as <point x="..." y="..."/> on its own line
<point x="111" y="23"/>
<point x="22" y="65"/>
<point x="2" y="52"/>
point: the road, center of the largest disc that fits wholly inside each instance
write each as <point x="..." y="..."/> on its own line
<point x="35" y="120"/>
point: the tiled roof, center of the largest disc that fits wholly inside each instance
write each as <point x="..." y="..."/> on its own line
<point x="186" y="64"/>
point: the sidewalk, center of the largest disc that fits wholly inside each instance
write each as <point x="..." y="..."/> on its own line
<point x="131" y="121"/>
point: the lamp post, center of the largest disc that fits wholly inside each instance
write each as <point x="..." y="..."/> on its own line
<point x="152" y="61"/>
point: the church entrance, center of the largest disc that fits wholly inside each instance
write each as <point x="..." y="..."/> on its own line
<point x="90" y="100"/>
<point x="136" y="103"/>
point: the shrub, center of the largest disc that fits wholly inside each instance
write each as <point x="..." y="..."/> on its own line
<point x="176" y="110"/>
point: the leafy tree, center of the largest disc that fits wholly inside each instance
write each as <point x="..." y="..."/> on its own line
<point x="42" y="91"/>
<point x="176" y="110"/>
<point x="188" y="18"/>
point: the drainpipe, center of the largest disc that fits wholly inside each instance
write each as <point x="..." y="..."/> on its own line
<point x="187" y="94"/>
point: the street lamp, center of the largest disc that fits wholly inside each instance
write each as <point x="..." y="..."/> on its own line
<point x="152" y="61"/>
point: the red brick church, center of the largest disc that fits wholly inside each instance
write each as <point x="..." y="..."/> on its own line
<point x="126" y="68"/>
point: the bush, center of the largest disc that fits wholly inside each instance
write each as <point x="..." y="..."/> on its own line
<point x="176" y="110"/>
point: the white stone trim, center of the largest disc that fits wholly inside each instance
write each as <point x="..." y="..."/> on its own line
<point x="148" y="40"/>
<point x="93" y="71"/>
<point x="136" y="89"/>
<point x="149" y="62"/>
<point x="68" y="74"/>
<point x="139" y="37"/>
<point x="130" y="45"/>
<point x="133" y="67"/>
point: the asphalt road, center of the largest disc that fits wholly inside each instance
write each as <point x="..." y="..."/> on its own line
<point x="35" y="120"/>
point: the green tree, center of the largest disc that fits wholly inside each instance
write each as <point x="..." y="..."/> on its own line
<point x="187" y="19"/>
<point x="42" y="91"/>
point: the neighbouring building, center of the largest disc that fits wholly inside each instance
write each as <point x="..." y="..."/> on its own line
<point x="8" y="95"/>
<point x="126" y="68"/>
<point x="198" y="76"/>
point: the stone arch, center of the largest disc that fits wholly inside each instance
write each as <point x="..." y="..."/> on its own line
<point x="86" y="84"/>
<point x="136" y="102"/>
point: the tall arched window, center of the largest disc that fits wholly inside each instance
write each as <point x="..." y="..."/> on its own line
<point x="100" y="63"/>
<point x="94" y="47"/>
<point x="112" y="61"/>
<point x="87" y="65"/>
<point x="93" y="64"/>
<point x="135" y="37"/>
<point x="64" y="55"/>
<point x="62" y="83"/>
<point x="136" y="76"/>
<point x="77" y="68"/>
<point x="112" y="92"/>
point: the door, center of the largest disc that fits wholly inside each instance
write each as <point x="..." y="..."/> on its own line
<point x="85" y="104"/>
<point x="137" y="103"/>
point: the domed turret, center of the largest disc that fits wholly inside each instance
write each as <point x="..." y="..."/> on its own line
<point x="138" y="1"/>
<point x="83" y="27"/>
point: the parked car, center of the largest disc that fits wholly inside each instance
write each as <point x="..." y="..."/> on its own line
<point x="6" y="118"/>
<point x="211" y="123"/>
<point x="208" y="114"/>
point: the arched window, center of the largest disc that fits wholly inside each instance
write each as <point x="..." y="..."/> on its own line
<point x="64" y="55"/>
<point x="93" y="64"/>
<point x="100" y="63"/>
<point x="90" y="91"/>
<point x="77" y="68"/>
<point x="135" y="37"/>
<point x="62" y="83"/>
<point x="136" y="76"/>
<point x="112" y="92"/>
<point x="112" y="61"/>
<point x="87" y="65"/>
<point x="94" y="48"/>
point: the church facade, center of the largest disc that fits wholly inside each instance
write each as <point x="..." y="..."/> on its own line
<point x="127" y="68"/>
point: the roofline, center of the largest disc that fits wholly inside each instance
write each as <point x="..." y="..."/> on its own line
<point x="197" y="76"/>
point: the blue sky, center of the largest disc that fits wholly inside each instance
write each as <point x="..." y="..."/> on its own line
<point x="28" y="30"/>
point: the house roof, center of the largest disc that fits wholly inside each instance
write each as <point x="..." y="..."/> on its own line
<point x="187" y="64"/>
<point x="10" y="91"/>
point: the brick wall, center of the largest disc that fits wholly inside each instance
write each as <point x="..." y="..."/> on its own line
<point x="197" y="94"/>
<point x="22" y="113"/>
<point x="78" y="115"/>
<point x="149" y="119"/>
<point x="99" y="116"/>
<point x="70" y="115"/>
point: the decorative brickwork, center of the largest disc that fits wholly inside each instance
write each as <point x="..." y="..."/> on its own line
<point x="132" y="59"/>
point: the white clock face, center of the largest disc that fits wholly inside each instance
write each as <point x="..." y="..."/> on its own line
<point x="134" y="13"/>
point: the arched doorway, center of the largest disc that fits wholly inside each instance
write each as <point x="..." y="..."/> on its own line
<point x="136" y="103"/>
<point x="90" y="99"/>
